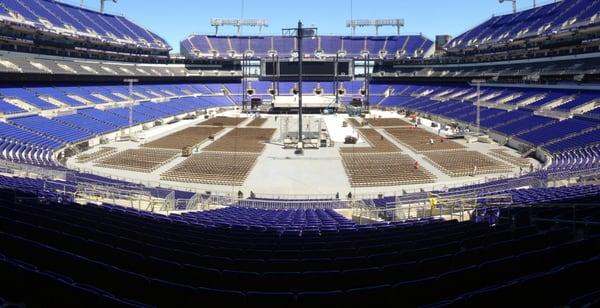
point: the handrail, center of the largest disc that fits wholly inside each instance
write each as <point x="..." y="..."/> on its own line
<point x="456" y="207"/>
<point x="31" y="169"/>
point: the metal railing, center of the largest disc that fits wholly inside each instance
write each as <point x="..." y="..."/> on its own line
<point x="141" y="198"/>
<point x="31" y="169"/>
<point x="233" y="191"/>
<point x="460" y="208"/>
<point x="275" y="204"/>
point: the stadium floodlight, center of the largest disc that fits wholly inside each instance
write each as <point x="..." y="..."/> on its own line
<point x="300" y="33"/>
<point x="238" y="23"/>
<point x="376" y="23"/>
<point x="102" y="4"/>
<point x="514" y="4"/>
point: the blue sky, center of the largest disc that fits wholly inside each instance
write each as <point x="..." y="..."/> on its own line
<point x="175" y="19"/>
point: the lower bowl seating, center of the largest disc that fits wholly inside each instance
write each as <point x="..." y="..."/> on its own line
<point x="116" y="256"/>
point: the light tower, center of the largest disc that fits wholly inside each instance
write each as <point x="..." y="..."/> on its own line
<point x="376" y="23"/>
<point x="238" y="23"/>
<point x="102" y="4"/>
<point x="514" y="4"/>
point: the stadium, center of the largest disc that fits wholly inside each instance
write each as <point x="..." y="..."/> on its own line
<point x="298" y="169"/>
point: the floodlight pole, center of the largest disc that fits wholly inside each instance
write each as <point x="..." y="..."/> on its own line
<point x="131" y="82"/>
